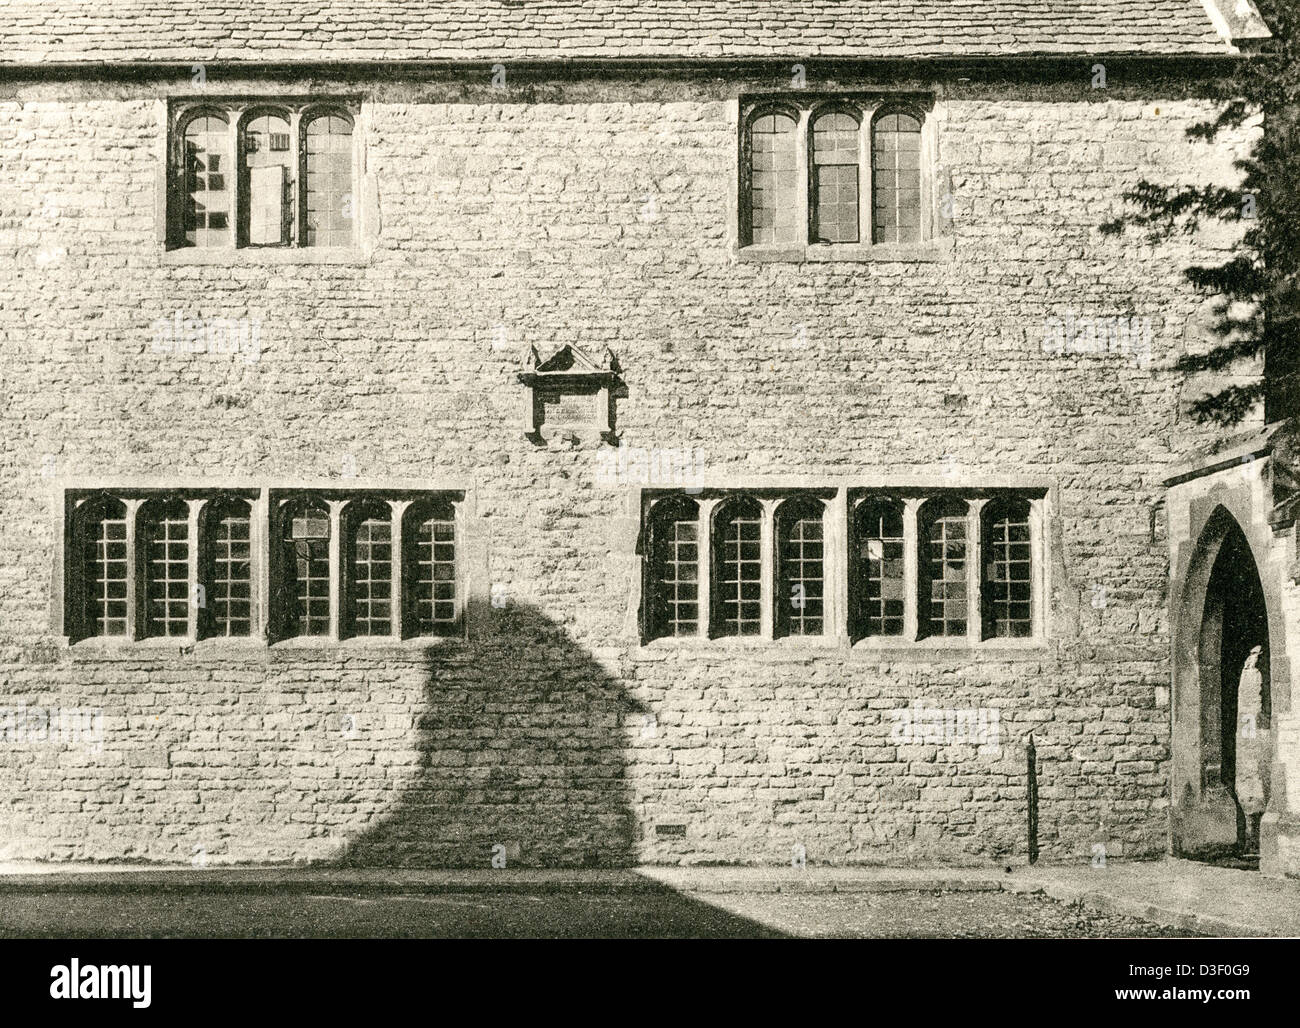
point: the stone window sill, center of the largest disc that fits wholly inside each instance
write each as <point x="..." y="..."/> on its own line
<point x="803" y="647"/>
<point x="830" y="253"/>
<point x="127" y="649"/>
<point x="255" y="256"/>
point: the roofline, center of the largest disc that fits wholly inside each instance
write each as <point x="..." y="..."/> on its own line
<point x="1201" y="64"/>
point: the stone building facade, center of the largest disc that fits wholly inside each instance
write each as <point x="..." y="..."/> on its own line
<point x="616" y="435"/>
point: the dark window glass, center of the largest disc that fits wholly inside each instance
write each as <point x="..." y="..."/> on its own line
<point x="229" y="590"/>
<point x="881" y="582"/>
<point x="166" y="537"/>
<point x="307" y="569"/>
<point x="801" y="575"/>
<point x="943" y="569"/>
<point x="433" y="572"/>
<point x="104" y="568"/>
<point x="675" y="568"/>
<point x="370" y="575"/>
<point x="1008" y="581"/>
<point x="739" y="564"/>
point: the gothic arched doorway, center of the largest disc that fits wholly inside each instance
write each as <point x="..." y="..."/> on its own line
<point x="1219" y="735"/>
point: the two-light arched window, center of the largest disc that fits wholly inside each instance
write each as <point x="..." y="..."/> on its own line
<point x="263" y="176"/>
<point x="862" y="168"/>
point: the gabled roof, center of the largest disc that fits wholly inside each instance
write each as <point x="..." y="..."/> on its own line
<point x="274" y="31"/>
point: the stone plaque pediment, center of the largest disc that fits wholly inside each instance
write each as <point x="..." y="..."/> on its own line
<point x="568" y="391"/>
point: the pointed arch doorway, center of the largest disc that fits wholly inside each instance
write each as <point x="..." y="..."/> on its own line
<point x="1222" y="625"/>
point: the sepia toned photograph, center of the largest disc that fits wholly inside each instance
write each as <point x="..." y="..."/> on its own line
<point x="649" y="469"/>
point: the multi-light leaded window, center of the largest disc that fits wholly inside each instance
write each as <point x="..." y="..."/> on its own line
<point x="882" y="588"/>
<point x="675" y="567"/>
<point x="328" y="178"/>
<point x="433" y="579"/>
<point x="1008" y="571"/>
<point x="370" y="580"/>
<point x="896" y="566"/>
<point x="191" y="564"/>
<point x="943" y="569"/>
<point x="205" y="180"/>
<point x="835" y="178"/>
<point x="266" y="177"/>
<point x="738" y="580"/>
<point x="262" y="175"/>
<point x="104" y="567"/>
<point x="228" y="599"/>
<point x="166" y="537"/>
<point x="802" y="577"/>
<point x="307" y="567"/>
<point x="862" y="162"/>
<point x="773" y="178"/>
<point x="896" y="178"/>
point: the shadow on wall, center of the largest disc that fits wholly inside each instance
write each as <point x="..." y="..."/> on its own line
<point x="520" y="745"/>
<point x="521" y="758"/>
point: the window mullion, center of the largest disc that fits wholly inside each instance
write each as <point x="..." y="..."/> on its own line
<point x="296" y="192"/>
<point x="195" y="509"/>
<point x="835" y="566"/>
<point x="134" y="571"/>
<point x="1038" y="566"/>
<point x="397" y="553"/>
<point x="767" y="570"/>
<point x="235" y="177"/>
<point x="338" y="579"/>
<point x="264" y="528"/>
<point x="704" y="573"/>
<point x="911" y="569"/>
<point x="803" y="179"/>
<point x="974" y="570"/>
<point x="866" y="194"/>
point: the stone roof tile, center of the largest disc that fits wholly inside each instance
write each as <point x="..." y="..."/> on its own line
<point x="44" y="31"/>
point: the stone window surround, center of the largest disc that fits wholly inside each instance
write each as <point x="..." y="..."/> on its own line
<point x="174" y="110"/>
<point x="804" y="105"/>
<point x="842" y="500"/>
<point x="338" y="496"/>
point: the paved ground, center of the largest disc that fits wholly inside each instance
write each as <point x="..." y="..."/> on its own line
<point x="639" y="914"/>
<point x="1158" y="898"/>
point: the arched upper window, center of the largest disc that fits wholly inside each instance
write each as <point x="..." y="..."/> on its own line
<point x="1007" y="591"/>
<point x="327" y="166"/>
<point x="896" y="177"/>
<point x="104" y="567"/>
<point x="773" y="178"/>
<point x="165" y="534"/>
<point x="881" y="586"/>
<point x="306" y="570"/>
<point x="278" y="173"/>
<point x="834" y="177"/>
<point x="944" y="553"/>
<point x="801" y="578"/>
<point x="430" y="536"/>
<point x="205" y="207"/>
<point x="738" y="564"/>
<point x="370" y="570"/>
<point x="266" y="177"/>
<point x="228" y="580"/>
<point x="674" y="546"/>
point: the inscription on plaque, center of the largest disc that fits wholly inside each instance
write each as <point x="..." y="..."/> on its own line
<point x="559" y="409"/>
